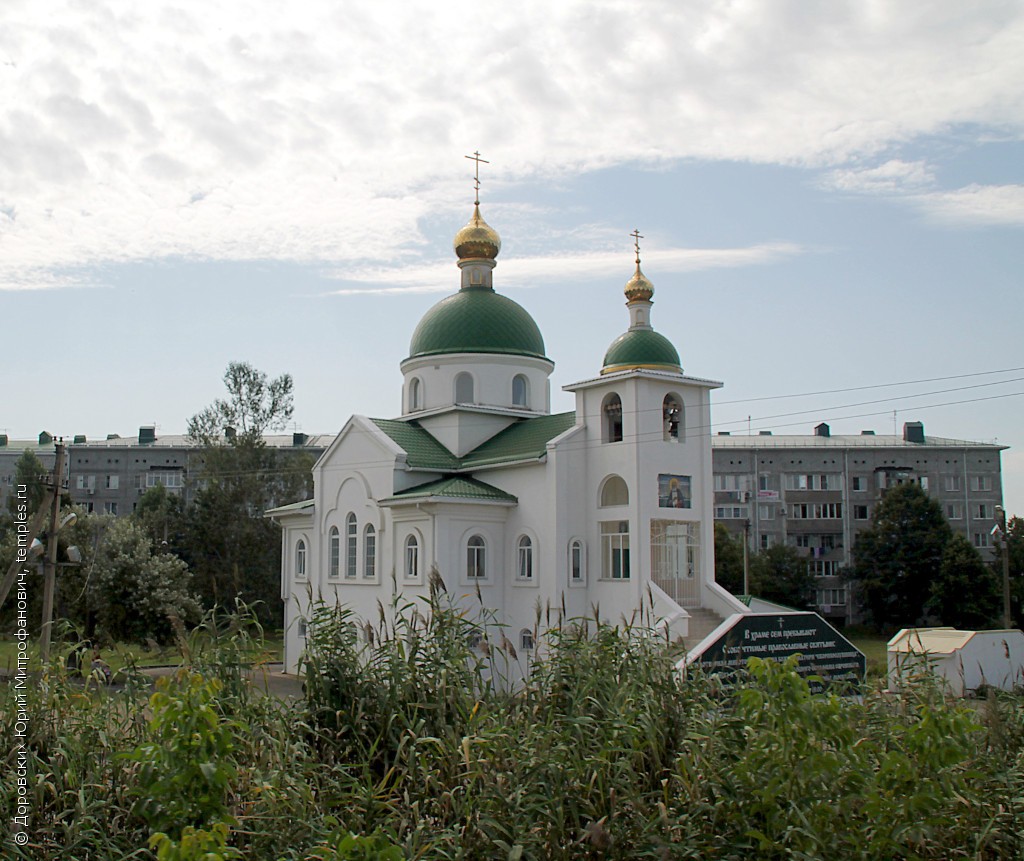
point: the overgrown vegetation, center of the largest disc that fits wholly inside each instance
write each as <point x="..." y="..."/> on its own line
<point x="410" y="745"/>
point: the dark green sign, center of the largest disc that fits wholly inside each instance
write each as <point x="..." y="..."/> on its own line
<point x="822" y="649"/>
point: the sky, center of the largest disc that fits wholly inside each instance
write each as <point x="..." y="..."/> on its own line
<point x="831" y="198"/>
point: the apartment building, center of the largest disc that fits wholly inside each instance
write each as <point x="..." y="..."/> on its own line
<point x="817" y="492"/>
<point x="11" y="451"/>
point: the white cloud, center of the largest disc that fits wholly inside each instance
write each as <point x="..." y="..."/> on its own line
<point x="974" y="205"/>
<point x="891" y="177"/>
<point x="526" y="272"/>
<point x="306" y="133"/>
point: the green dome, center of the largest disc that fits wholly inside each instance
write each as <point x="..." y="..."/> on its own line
<point x="641" y="348"/>
<point x="477" y="320"/>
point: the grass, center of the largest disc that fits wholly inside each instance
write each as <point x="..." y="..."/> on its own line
<point x="874" y="648"/>
<point x="122" y="655"/>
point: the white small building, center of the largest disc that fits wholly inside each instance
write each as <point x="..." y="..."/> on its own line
<point x="963" y="660"/>
<point x="608" y="506"/>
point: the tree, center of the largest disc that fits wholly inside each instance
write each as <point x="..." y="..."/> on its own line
<point x="30" y="471"/>
<point x="780" y="574"/>
<point x="134" y="592"/>
<point x="232" y="548"/>
<point x="898" y="557"/>
<point x="254" y="406"/>
<point x="728" y="560"/>
<point x="966" y="593"/>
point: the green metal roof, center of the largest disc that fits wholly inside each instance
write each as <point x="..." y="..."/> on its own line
<point x="526" y="439"/>
<point x="477" y="320"/>
<point x="421" y="449"/>
<point x="641" y="348"/>
<point x="293" y="508"/>
<point x="457" y="487"/>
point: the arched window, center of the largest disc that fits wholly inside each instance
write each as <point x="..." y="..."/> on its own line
<point x="300" y="558"/>
<point x="351" y="545"/>
<point x="526" y="640"/>
<point x="369" y="551"/>
<point x="672" y="419"/>
<point x="519" y="391"/>
<point x="415" y="394"/>
<point x="614" y="492"/>
<point x="476" y="557"/>
<point x="611" y="412"/>
<point x="412" y="558"/>
<point x="334" y="568"/>
<point x="524" y="568"/>
<point x="576" y="561"/>
<point x="464" y="388"/>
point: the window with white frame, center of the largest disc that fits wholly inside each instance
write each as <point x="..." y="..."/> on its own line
<point x="981" y="539"/>
<point x="952" y="482"/>
<point x="334" y="543"/>
<point x="858" y="483"/>
<point x="576" y="569"/>
<point x="415" y="394"/>
<point x="412" y="558"/>
<point x="614" y="492"/>
<point x="766" y="511"/>
<point x="766" y="541"/>
<point x="351" y="545"/>
<point x="113" y="482"/>
<point x="731" y="512"/>
<point x="983" y="511"/>
<point x="464" y="388"/>
<point x="981" y="483"/>
<point x="519" y="391"/>
<point x="954" y="511"/>
<point x="476" y="558"/>
<point x="110" y="507"/>
<point x="831" y="597"/>
<point x="823" y="567"/>
<point x="300" y="558"/>
<point x="860" y="512"/>
<point x="615" y="550"/>
<point x="816" y="510"/>
<point x="369" y="551"/>
<point x="526" y="640"/>
<point x="731" y="483"/>
<point x="813" y="481"/>
<point x="524" y="561"/>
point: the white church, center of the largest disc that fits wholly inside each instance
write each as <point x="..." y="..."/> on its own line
<point x="608" y="506"/>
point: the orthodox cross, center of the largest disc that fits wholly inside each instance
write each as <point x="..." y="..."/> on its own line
<point x="476" y="179"/>
<point x="636" y="241"/>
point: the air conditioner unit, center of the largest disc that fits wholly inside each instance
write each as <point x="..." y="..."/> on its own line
<point x="91" y="491"/>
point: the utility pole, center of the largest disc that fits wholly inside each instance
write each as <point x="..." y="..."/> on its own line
<point x="746" y="558"/>
<point x="51" y="554"/>
<point x="1001" y="517"/>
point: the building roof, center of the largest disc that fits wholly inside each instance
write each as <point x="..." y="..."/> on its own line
<point x="477" y="320"/>
<point x="841" y="441"/>
<point x="526" y="439"/>
<point x="312" y="441"/>
<point x="938" y="641"/>
<point x="292" y="508"/>
<point x="454" y="488"/>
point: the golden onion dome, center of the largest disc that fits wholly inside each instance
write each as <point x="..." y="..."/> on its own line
<point x="477" y="239"/>
<point x="638" y="288"/>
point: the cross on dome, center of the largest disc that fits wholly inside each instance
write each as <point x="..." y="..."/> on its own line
<point x="476" y="177"/>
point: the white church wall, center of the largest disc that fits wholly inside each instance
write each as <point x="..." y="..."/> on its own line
<point x="492" y="381"/>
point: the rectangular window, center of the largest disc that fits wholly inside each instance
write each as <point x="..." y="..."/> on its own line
<point x="766" y="541"/>
<point x="370" y="554"/>
<point x="831" y="598"/>
<point x="113" y="482"/>
<point x="731" y="512"/>
<point x="110" y="508"/>
<point x="955" y="511"/>
<point x="766" y="512"/>
<point x="814" y="481"/>
<point x="823" y="567"/>
<point x="981" y="539"/>
<point x="983" y="511"/>
<point x="923" y="481"/>
<point x="763" y="481"/>
<point x="952" y="482"/>
<point x="615" y="550"/>
<point x="576" y="562"/>
<point x="816" y="511"/>
<point x="860" y="512"/>
<point x="732" y="483"/>
<point x="859" y="483"/>
<point x="981" y="483"/>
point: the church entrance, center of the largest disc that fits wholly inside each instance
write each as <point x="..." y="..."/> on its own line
<point x="675" y="560"/>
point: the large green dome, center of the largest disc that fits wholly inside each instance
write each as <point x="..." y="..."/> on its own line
<point x="641" y="348"/>
<point x="477" y="320"/>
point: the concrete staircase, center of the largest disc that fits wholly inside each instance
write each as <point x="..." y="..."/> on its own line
<point x="702" y="622"/>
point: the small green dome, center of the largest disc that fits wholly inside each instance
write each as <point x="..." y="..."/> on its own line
<point x="641" y="348"/>
<point x="477" y="320"/>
